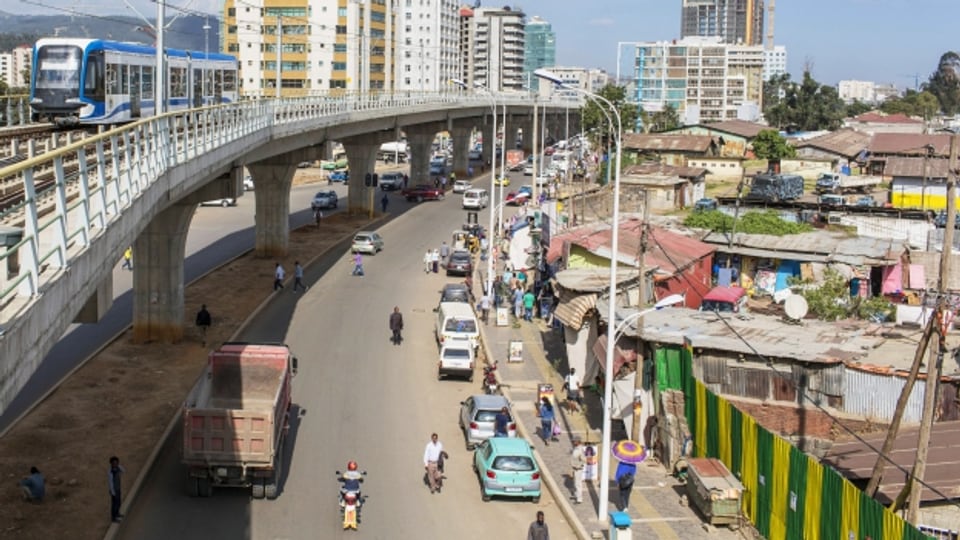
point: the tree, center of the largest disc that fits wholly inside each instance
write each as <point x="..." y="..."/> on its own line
<point x="593" y="117"/>
<point x="774" y="108"/>
<point x="944" y="83"/>
<point x="663" y="120"/>
<point x="856" y="109"/>
<point x="807" y="106"/>
<point x="769" y="144"/>
<point x="913" y="103"/>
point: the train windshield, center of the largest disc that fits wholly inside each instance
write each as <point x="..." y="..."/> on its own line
<point x="58" y="66"/>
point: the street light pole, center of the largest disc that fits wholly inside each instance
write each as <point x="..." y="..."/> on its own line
<point x="612" y="311"/>
<point x="206" y="58"/>
<point x="493" y="176"/>
<point x="160" y="77"/>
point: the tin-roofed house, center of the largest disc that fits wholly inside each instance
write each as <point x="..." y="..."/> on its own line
<point x="664" y="187"/>
<point x="673" y="149"/>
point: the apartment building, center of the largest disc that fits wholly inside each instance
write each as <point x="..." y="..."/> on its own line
<point x="492" y="48"/>
<point x="590" y="80"/>
<point x="310" y="46"/>
<point x="428" y="44"/>
<point x="15" y="67"/>
<point x="851" y="90"/>
<point x="704" y="79"/>
<point x="733" y="21"/>
<point x="540" y="50"/>
<point x="774" y="62"/>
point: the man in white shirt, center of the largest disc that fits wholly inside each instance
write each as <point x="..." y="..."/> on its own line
<point x="432" y="455"/>
<point x="278" y="274"/>
<point x="572" y="384"/>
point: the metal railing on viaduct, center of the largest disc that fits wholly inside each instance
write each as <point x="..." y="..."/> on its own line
<point x="69" y="214"/>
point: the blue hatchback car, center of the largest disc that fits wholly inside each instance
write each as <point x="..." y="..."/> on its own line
<point x="506" y="468"/>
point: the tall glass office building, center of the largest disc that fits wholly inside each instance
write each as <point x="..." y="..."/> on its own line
<point x="539" y="51"/>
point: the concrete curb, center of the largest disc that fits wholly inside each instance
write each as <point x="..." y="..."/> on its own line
<point x="546" y="476"/>
<point x="114" y="528"/>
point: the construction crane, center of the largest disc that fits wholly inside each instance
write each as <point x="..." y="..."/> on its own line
<point x="916" y="80"/>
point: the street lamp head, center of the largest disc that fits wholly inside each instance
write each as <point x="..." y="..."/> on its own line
<point x="671" y="300"/>
<point x="549" y="76"/>
<point x="459" y="83"/>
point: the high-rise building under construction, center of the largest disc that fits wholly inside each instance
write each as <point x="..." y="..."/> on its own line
<point x="734" y="21"/>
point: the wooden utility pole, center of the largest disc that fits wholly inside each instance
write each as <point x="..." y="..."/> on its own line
<point x="638" y="376"/>
<point x="935" y="362"/>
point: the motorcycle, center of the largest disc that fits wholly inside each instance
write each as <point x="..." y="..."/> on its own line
<point x="490" y="384"/>
<point x="351" y="501"/>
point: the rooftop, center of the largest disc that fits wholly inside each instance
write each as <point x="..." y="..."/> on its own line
<point x="874" y="117"/>
<point x="909" y="144"/>
<point x="742" y="128"/>
<point x="657" y="142"/>
<point x="816" y="246"/>
<point x="916" y="167"/>
<point x="664" y="169"/>
<point x="845" y="142"/>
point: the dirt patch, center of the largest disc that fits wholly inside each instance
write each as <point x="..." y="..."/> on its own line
<point x="120" y="402"/>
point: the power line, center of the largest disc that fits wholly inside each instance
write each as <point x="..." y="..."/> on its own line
<point x="98" y="17"/>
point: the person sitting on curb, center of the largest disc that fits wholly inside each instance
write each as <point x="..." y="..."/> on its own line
<point x="33" y="486"/>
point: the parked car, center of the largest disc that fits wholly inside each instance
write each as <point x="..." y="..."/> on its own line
<point x="940" y="221"/>
<point x="391" y="181"/>
<point x="339" y="176"/>
<point x="456" y="359"/>
<point x="461" y="186"/>
<point x="502" y="181"/>
<point x="865" y="200"/>
<point x="248" y="183"/>
<point x="477" y="415"/>
<point x="367" y="242"/>
<point x="506" y="468"/>
<point x="528" y="169"/>
<point x="517" y="198"/>
<point x="304" y="164"/>
<point x="475" y="155"/>
<point x="225" y="202"/>
<point x="460" y="263"/>
<point x="455" y="292"/>
<point x="705" y="205"/>
<point x="324" y="199"/>
<point x="423" y="192"/>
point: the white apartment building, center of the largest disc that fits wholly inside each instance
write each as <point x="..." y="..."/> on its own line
<point x="6" y="68"/>
<point x="704" y="79"/>
<point x="774" y="62"/>
<point x="492" y="47"/>
<point x="427" y="45"/>
<point x="591" y="80"/>
<point x="852" y="90"/>
<point x="323" y="45"/>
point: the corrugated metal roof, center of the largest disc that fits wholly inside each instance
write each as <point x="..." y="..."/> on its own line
<point x="879" y="118"/>
<point x="909" y="144"/>
<point x="592" y="280"/>
<point x="913" y="167"/>
<point x="845" y="142"/>
<point x="573" y="307"/>
<point x="813" y="341"/>
<point x="862" y="389"/>
<point x="816" y="246"/>
<point x="855" y="461"/>
<point x="664" y="169"/>
<point x="652" y="180"/>
<point x="666" y="143"/>
<point x="742" y="128"/>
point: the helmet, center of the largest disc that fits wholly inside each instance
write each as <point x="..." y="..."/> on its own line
<point x="351" y="465"/>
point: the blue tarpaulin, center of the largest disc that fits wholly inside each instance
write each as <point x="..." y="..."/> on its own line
<point x="787" y="269"/>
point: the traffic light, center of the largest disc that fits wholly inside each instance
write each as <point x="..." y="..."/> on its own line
<point x="368" y="180"/>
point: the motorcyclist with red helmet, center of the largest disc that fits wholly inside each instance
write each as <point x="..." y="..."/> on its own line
<point x="351" y="479"/>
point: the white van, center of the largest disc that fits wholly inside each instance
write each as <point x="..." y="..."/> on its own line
<point x="456" y="321"/>
<point x="475" y="198"/>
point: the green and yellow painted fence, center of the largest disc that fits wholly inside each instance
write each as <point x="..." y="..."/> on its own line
<point x="788" y="495"/>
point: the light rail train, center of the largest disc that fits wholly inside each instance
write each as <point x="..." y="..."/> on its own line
<point x="79" y="81"/>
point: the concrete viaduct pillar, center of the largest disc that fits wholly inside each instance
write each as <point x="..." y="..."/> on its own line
<point x="526" y="124"/>
<point x="460" y="134"/>
<point x="420" y="144"/>
<point x="273" y="177"/>
<point x="362" y="156"/>
<point x="489" y="140"/>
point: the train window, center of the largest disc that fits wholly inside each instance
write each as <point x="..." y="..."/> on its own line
<point x="59" y="66"/>
<point x="93" y="82"/>
<point x="230" y="81"/>
<point x="124" y="80"/>
<point x="113" y="79"/>
<point x="147" y="80"/>
<point x="178" y="82"/>
<point x="213" y="81"/>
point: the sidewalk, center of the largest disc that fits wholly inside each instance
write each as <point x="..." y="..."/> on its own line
<point x="655" y="507"/>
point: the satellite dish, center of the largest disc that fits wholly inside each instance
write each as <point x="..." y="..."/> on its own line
<point x="795" y="307"/>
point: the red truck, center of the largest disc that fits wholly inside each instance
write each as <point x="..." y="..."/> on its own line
<point x="236" y="418"/>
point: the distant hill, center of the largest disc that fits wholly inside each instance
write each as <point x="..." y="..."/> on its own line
<point x="185" y="33"/>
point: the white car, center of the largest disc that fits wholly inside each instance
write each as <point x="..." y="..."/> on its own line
<point x="229" y="201"/>
<point x="248" y="183"/>
<point x="367" y="242"/>
<point x="461" y="186"/>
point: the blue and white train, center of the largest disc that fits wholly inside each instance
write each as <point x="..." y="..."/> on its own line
<point x="79" y="81"/>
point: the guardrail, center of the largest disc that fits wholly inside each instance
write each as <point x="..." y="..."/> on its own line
<point x="72" y="194"/>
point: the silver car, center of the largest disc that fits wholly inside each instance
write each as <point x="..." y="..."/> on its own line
<point x="477" y="414"/>
<point x="367" y="242"/>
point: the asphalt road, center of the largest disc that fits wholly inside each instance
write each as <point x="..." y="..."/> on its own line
<point x="360" y="398"/>
<point x="216" y="234"/>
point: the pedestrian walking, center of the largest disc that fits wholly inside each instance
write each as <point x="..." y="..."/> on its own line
<point x="34" y="487"/>
<point x="406" y="180"/>
<point x="571" y="383"/>
<point x="538" y="529"/>
<point x="298" y="277"/>
<point x="384" y="202"/>
<point x="444" y="250"/>
<point x="501" y="423"/>
<point x="396" y="325"/>
<point x="358" y="264"/>
<point x="518" y="303"/>
<point x="427" y="262"/>
<point x="528" y="301"/>
<point x="484" y="306"/>
<point x="114" y="482"/>
<point x="318" y="216"/>
<point x="435" y="260"/>
<point x="278" y="274"/>
<point x="431" y="458"/>
<point x="128" y="258"/>
<point x="547" y="416"/>
<point x="625" y="476"/>
<point x="203" y="323"/>
<point x="577" y="461"/>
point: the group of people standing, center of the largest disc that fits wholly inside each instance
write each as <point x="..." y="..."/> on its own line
<point x="432" y="258"/>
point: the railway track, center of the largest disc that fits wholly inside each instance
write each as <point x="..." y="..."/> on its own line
<point x="800" y="206"/>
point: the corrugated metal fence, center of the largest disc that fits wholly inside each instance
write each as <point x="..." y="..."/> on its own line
<point x="875" y="396"/>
